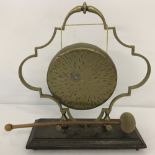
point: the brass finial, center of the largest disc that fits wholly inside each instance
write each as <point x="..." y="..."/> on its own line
<point x="84" y="7"/>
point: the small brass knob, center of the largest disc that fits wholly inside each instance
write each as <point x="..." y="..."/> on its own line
<point x="8" y="127"/>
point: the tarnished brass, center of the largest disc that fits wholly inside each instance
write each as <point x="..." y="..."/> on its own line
<point x="128" y="122"/>
<point x="104" y="111"/>
<point x="82" y="76"/>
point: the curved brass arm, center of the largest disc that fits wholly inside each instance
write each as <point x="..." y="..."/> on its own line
<point x="85" y="8"/>
<point x="106" y="111"/>
<point x="142" y="82"/>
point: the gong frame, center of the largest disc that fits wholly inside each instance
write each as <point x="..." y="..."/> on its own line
<point x="105" y="112"/>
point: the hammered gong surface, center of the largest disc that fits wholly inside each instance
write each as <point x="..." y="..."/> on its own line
<point x="82" y="76"/>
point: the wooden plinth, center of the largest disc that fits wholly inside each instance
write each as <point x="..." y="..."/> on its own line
<point x="83" y="137"/>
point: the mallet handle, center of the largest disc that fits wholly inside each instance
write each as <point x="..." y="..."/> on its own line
<point x="9" y="127"/>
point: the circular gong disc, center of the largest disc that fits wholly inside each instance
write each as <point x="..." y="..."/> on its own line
<point x="82" y="76"/>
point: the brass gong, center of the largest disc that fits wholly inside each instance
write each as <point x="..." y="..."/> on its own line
<point x="82" y="76"/>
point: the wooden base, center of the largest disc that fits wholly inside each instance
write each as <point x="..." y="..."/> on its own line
<point x="82" y="137"/>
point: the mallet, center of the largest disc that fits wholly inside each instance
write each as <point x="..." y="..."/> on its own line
<point x="127" y="123"/>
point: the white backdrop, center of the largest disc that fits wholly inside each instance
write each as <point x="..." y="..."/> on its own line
<point x="27" y="24"/>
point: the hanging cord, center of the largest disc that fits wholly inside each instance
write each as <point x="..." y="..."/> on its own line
<point x="107" y="40"/>
<point x="107" y="33"/>
<point x="61" y="38"/>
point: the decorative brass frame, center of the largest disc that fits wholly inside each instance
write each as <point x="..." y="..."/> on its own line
<point x="105" y="111"/>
